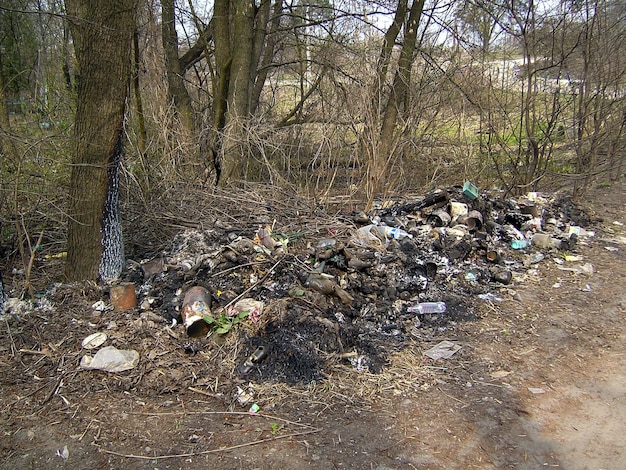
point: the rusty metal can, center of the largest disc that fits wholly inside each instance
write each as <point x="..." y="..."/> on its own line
<point x="196" y="305"/>
<point x="439" y="218"/>
<point x="493" y="255"/>
<point x="123" y="296"/>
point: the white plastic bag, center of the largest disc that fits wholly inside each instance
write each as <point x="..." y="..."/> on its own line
<point x="111" y="359"/>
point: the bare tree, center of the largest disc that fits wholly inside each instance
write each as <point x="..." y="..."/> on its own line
<point x="380" y="137"/>
<point x="600" y="111"/>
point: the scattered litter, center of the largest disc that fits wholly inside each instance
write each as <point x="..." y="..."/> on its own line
<point x="359" y="363"/>
<point x="63" y="453"/>
<point x="256" y="357"/>
<point x="254" y="409"/>
<point x="427" y="307"/>
<point x="99" y="306"/>
<point x="245" y="397"/>
<point x="377" y="236"/>
<point x="123" y="296"/>
<point x="490" y="297"/>
<point x="94" y="340"/>
<point x="536" y="258"/>
<point x="326" y="285"/>
<point x="503" y="277"/>
<point x="611" y="248"/>
<point x="543" y="240"/>
<point x="470" y="190"/>
<point x="196" y="306"/>
<point x="520" y="244"/>
<point x="499" y="374"/>
<point x="253" y="307"/>
<point x="536" y="390"/>
<point x="358" y="282"/>
<point x="444" y="350"/>
<point x="586" y="269"/>
<point x="580" y="232"/>
<point x="264" y="238"/>
<point x="111" y="359"/>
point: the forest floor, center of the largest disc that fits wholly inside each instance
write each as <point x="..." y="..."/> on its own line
<point x="539" y="381"/>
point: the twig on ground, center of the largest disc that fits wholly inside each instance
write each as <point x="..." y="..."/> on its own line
<point x="241" y="413"/>
<point x="212" y="451"/>
<point x="13" y="349"/>
<point x="258" y="283"/>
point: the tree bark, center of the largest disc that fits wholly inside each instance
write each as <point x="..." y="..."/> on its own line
<point x="7" y="144"/>
<point x="264" y="48"/>
<point x="175" y="74"/>
<point x="381" y="145"/>
<point x="102" y="31"/>
<point x="239" y="91"/>
<point x="141" y="119"/>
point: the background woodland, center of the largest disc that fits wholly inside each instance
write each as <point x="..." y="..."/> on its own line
<point x="144" y="105"/>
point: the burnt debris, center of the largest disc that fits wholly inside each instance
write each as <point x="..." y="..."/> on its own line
<point x="335" y="295"/>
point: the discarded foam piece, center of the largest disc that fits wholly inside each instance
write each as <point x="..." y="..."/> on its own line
<point x="111" y="359"/>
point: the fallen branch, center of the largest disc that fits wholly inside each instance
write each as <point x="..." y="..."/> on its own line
<point x="241" y="413"/>
<point x="259" y="282"/>
<point x="212" y="451"/>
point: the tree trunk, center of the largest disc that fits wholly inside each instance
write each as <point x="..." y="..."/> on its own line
<point x="7" y="144"/>
<point x="102" y="31"/>
<point x="175" y="74"/>
<point x="141" y="119"/>
<point x="265" y="41"/>
<point x="239" y="91"/>
<point x="381" y="145"/>
<point x="223" y="58"/>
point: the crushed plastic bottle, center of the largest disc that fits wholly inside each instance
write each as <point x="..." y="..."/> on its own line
<point x="520" y="244"/>
<point x="384" y="231"/>
<point x="396" y="233"/>
<point x="378" y="235"/>
<point x="427" y="307"/>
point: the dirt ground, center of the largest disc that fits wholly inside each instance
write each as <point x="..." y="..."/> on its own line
<point x="539" y="381"/>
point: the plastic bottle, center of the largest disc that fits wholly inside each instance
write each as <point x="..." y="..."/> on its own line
<point x="396" y="233"/>
<point x="519" y="244"/>
<point x="428" y="307"/>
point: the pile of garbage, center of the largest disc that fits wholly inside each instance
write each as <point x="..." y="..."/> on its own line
<point x="357" y="292"/>
<point x="351" y="293"/>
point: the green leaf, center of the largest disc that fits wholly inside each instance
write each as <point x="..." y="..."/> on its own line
<point x="296" y="292"/>
<point x="242" y="316"/>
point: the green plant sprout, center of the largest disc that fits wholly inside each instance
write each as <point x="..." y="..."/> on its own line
<point x="224" y="323"/>
<point x="276" y="428"/>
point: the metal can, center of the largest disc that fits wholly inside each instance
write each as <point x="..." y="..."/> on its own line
<point x="196" y="305"/>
